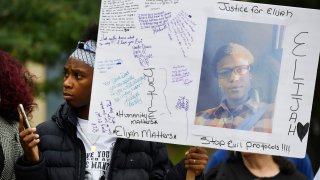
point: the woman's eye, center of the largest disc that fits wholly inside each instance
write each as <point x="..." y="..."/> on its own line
<point x="66" y="75"/>
<point x="78" y="76"/>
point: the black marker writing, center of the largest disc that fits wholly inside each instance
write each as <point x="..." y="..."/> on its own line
<point x="143" y="121"/>
<point x="122" y="132"/>
<point x="105" y="117"/>
<point x="279" y="12"/>
<point x="151" y="92"/>
<point x="256" y="10"/>
<point x="285" y="148"/>
<point x="211" y="140"/>
<point x="296" y="97"/>
<point x="140" y="115"/>
<point x="118" y="15"/>
<point x="157" y="134"/>
<point x="298" y="81"/>
<point x="233" y="7"/>
<point x="136" y="118"/>
<point x="156" y="21"/>
<point x="232" y="144"/>
<point x="155" y="4"/>
<point x="260" y="145"/>
<point x="298" y="44"/>
<point x="224" y="6"/>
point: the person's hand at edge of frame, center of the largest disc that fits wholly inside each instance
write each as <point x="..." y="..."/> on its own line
<point x="196" y="160"/>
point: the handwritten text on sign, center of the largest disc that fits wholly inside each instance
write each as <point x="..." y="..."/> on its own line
<point x="255" y="9"/>
<point x="154" y="56"/>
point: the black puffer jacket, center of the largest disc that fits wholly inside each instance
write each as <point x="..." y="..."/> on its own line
<point x="62" y="155"/>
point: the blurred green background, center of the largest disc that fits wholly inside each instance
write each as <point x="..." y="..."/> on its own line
<point x="46" y="31"/>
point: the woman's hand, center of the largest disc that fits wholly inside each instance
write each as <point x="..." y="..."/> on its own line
<point x="29" y="142"/>
<point x="196" y="160"/>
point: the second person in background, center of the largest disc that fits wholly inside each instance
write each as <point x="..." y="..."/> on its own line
<point x="15" y="88"/>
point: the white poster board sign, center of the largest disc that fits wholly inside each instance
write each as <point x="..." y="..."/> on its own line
<point x="317" y="176"/>
<point x="163" y="73"/>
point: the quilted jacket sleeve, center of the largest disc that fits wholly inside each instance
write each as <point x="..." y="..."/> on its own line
<point x="27" y="171"/>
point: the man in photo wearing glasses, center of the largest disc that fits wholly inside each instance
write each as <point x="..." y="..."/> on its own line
<point x="240" y="107"/>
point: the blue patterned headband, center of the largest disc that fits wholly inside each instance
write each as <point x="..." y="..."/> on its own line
<point x="86" y="52"/>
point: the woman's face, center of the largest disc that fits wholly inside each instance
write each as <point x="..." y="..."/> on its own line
<point x="234" y="78"/>
<point x="77" y="83"/>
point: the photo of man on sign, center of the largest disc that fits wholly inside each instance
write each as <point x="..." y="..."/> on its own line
<point x="241" y="105"/>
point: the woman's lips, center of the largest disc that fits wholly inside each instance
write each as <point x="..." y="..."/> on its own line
<point x="67" y="96"/>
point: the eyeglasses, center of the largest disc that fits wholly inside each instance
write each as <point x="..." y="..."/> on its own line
<point x="86" y="46"/>
<point x="238" y="70"/>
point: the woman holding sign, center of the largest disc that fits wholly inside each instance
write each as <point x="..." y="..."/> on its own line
<point x="15" y="88"/>
<point x="68" y="151"/>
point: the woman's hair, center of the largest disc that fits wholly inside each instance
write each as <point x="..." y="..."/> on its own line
<point x="15" y="88"/>
<point x="91" y="33"/>
<point x="86" y="48"/>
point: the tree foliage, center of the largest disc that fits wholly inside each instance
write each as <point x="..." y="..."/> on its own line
<point x="41" y="31"/>
<point x="44" y="31"/>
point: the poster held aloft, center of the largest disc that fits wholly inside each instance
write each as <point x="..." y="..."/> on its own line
<point x="219" y="74"/>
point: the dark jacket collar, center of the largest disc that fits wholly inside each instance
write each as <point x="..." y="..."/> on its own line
<point x="65" y="117"/>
